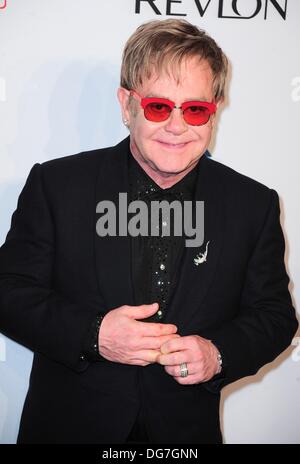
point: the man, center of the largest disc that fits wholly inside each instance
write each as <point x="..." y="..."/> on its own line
<point x="135" y="335"/>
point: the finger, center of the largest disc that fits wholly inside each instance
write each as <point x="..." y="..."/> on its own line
<point x="138" y="362"/>
<point x="189" y="380"/>
<point x="175" y="371"/>
<point x="176" y="344"/>
<point x="173" y="359"/>
<point x="142" y="311"/>
<point x="149" y="356"/>
<point x="155" y="343"/>
<point x="155" y="329"/>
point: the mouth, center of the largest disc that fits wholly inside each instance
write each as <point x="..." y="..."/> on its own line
<point x="173" y="146"/>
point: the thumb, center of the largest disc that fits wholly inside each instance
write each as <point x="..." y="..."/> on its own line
<point x="143" y="311"/>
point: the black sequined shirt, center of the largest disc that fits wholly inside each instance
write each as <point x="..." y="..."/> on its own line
<point x="156" y="259"/>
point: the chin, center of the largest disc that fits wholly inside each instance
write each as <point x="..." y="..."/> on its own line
<point x="171" y="168"/>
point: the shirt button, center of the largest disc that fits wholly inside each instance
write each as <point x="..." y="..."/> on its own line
<point x="162" y="267"/>
<point x="159" y="314"/>
<point x="82" y="357"/>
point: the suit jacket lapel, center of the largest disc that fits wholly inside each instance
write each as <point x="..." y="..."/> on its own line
<point x="113" y="254"/>
<point x="194" y="281"/>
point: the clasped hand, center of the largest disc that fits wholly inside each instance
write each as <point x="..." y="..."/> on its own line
<point x="123" y="338"/>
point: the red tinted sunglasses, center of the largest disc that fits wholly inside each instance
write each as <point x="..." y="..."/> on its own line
<point x="195" y="113"/>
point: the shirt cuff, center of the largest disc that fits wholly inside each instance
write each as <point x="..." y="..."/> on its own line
<point x="91" y="347"/>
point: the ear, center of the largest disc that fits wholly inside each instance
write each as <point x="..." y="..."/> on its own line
<point x="219" y="103"/>
<point x="213" y="116"/>
<point x="123" y="97"/>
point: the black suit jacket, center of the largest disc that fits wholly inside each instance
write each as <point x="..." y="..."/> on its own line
<point x="56" y="274"/>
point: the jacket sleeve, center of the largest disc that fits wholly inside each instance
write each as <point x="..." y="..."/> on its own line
<point x="266" y="322"/>
<point x="31" y="311"/>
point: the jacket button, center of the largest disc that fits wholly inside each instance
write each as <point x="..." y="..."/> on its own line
<point x="82" y="357"/>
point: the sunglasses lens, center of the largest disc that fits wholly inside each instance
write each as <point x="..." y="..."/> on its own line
<point x="157" y="111"/>
<point x="196" y="115"/>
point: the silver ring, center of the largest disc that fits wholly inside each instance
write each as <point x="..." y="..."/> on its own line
<point x="184" y="370"/>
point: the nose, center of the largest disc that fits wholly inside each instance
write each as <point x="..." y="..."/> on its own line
<point x="176" y="124"/>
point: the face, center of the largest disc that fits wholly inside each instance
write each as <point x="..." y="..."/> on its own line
<point x="168" y="150"/>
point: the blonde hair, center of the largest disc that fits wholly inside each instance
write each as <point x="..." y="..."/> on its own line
<point x="161" y="46"/>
